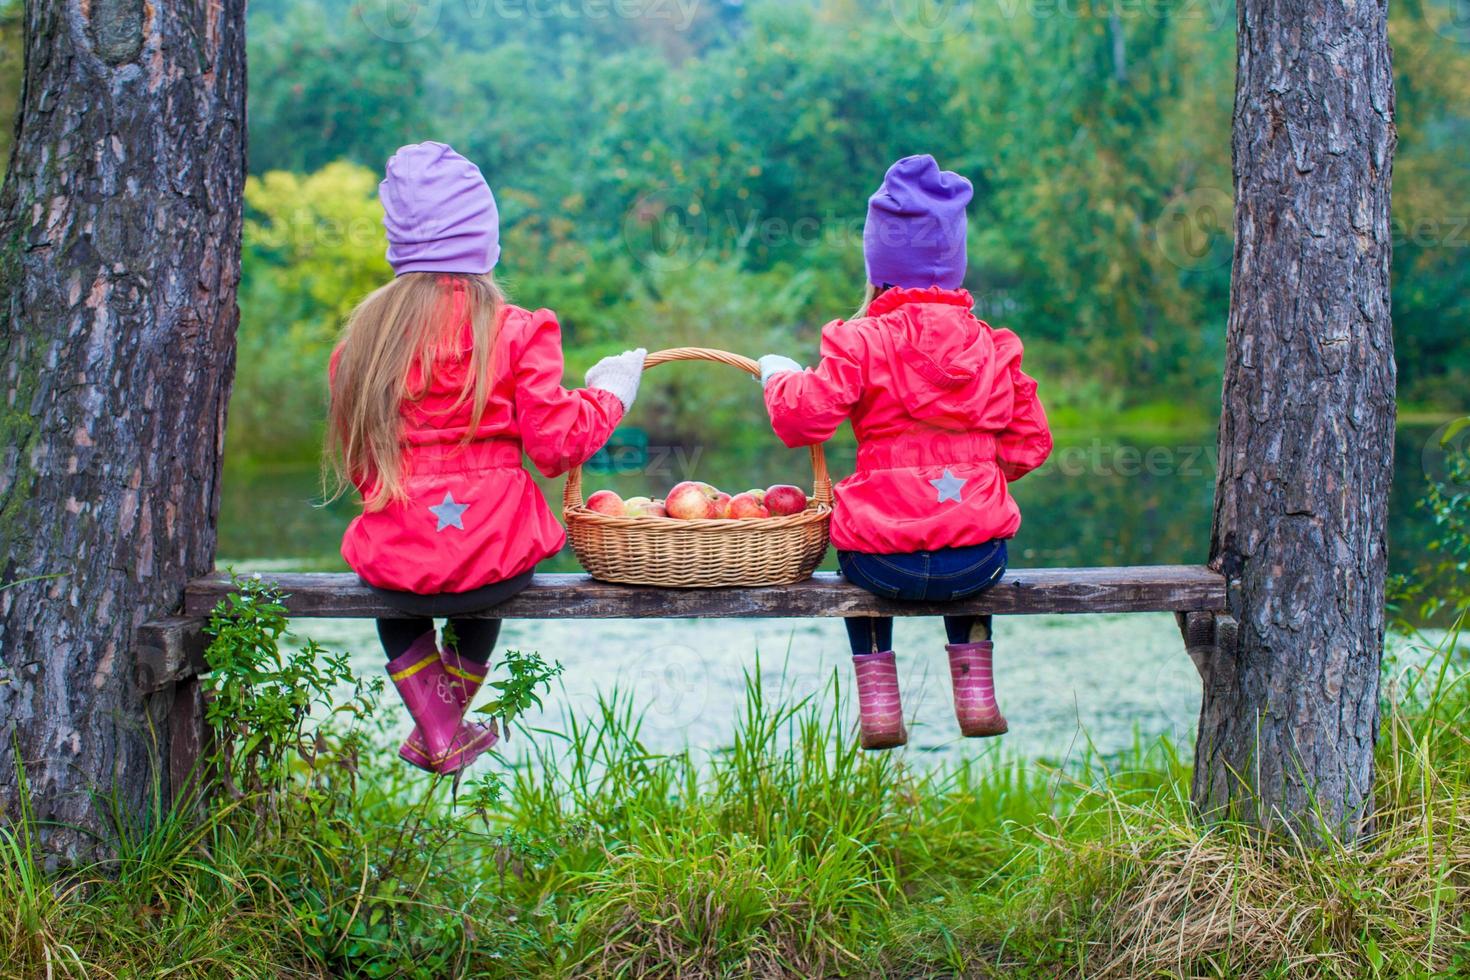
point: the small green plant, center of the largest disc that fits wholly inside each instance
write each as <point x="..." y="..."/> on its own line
<point x="518" y="693"/>
<point x="262" y="692"/>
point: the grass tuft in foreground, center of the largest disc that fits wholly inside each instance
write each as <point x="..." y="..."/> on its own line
<point x="790" y="853"/>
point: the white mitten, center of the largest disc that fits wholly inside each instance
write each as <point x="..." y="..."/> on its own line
<point x="619" y="374"/>
<point x="774" y="364"/>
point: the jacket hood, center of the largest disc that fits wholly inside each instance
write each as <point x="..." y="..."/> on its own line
<point x="945" y="362"/>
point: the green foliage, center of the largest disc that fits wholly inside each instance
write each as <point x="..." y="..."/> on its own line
<point x="12" y="64"/>
<point x="332" y="89"/>
<point x="708" y="304"/>
<point x="1098" y="142"/>
<point x="1439" y="587"/>
<point x="1431" y="224"/>
<point x="261" y="696"/>
<point x="518" y="693"/>
<point x="322" y="856"/>
<point x="314" y="247"/>
<point x="1107" y="202"/>
<point x="660" y="185"/>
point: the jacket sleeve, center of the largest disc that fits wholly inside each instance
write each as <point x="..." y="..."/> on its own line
<point x="1026" y="442"/>
<point x="559" y="429"/>
<point x="807" y="407"/>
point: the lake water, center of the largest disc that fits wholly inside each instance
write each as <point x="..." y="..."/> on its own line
<point x="1066" y="683"/>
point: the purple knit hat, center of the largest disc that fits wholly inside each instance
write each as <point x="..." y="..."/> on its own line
<point x="439" y="212"/>
<point x="915" y="235"/>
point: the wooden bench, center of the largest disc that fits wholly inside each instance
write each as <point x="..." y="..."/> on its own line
<point x="171" y="651"/>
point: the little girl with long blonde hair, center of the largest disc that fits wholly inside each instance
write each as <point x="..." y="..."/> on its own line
<point x="438" y="387"/>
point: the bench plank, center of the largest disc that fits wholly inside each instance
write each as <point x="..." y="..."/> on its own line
<point x="1146" y="588"/>
<point x="165" y="650"/>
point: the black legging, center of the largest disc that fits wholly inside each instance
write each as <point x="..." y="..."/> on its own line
<point x="869" y="634"/>
<point x="474" y="637"/>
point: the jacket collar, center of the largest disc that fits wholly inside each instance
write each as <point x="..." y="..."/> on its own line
<point x="894" y="298"/>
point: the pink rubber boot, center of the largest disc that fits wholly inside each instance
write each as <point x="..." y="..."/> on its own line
<point x="880" y="713"/>
<point x="436" y="694"/>
<point x="974" y="689"/>
<point x="472" y="738"/>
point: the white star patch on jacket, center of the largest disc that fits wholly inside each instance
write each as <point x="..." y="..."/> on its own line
<point x="450" y="514"/>
<point x="949" y="486"/>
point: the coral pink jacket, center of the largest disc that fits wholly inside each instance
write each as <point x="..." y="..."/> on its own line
<point x="944" y="417"/>
<point x="473" y="515"/>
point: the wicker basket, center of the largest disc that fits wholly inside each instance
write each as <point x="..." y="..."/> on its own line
<point x="702" y="553"/>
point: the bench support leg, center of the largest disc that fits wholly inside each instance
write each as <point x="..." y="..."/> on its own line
<point x="168" y="657"/>
<point x="1207" y="636"/>
<point x="189" y="741"/>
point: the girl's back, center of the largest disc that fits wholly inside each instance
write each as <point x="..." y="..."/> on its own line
<point x="469" y="514"/>
<point x="943" y="415"/>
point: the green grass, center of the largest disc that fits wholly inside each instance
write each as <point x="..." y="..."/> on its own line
<point x="790" y="853"/>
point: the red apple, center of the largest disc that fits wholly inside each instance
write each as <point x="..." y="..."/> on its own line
<point x="758" y="494"/>
<point x="722" y="504"/>
<point x="606" y="502"/>
<point x="691" y="501"/>
<point x="745" y="505"/>
<point x="784" y="500"/>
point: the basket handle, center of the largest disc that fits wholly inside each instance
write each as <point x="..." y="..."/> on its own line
<point x="821" y="481"/>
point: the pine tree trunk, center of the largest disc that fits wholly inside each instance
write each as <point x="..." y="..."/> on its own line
<point x="119" y="257"/>
<point x="1290" y="719"/>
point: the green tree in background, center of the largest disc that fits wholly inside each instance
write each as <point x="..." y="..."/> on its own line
<point x="12" y="63"/>
<point x="1103" y="146"/>
<point x="1431" y="208"/>
<point x="323" y="87"/>
<point x="314" y="246"/>
<point x="1097" y="139"/>
<point x="731" y="156"/>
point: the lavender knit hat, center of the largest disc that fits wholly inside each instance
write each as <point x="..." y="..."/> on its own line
<point x="915" y="235"/>
<point x="439" y="212"/>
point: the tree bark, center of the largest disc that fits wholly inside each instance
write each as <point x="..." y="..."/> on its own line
<point x="1290" y="717"/>
<point x="119" y="258"/>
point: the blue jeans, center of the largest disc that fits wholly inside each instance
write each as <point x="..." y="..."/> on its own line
<point x="933" y="576"/>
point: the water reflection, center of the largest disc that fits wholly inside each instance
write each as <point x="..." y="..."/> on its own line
<point x="1115" y="500"/>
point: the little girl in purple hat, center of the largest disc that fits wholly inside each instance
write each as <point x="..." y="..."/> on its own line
<point x="438" y="386"/>
<point x="945" y="419"/>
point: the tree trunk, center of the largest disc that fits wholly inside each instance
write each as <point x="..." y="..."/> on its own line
<point x="1289" y="719"/>
<point x="119" y="257"/>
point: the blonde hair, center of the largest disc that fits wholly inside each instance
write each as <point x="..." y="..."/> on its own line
<point x="870" y="293"/>
<point x="408" y="323"/>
